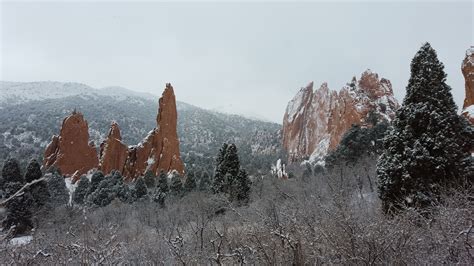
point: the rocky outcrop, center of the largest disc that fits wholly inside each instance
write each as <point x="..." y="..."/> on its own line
<point x="315" y="121"/>
<point x="468" y="72"/>
<point x="71" y="151"/>
<point x="113" y="152"/>
<point x="159" y="151"/>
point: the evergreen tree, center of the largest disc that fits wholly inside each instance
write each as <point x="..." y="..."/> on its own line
<point x="39" y="191"/>
<point x="231" y="160"/>
<point x="227" y="168"/>
<point x="218" y="184"/>
<point x="33" y="171"/>
<point x="96" y="178"/>
<point x="11" y="172"/>
<point x="240" y="191"/>
<point x="428" y="147"/>
<point x="204" y="181"/>
<point x="176" y="187"/>
<point x="59" y="194"/>
<point x="18" y="209"/>
<point x="110" y="188"/>
<point x="149" y="179"/>
<point x="140" y="189"/>
<point x="81" y="190"/>
<point x="163" y="182"/>
<point x="190" y="183"/>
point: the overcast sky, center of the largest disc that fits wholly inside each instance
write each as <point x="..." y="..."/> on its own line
<point x="248" y="58"/>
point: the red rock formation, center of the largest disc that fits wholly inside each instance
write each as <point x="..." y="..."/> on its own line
<point x="71" y="150"/>
<point x="159" y="151"/>
<point x="113" y="152"/>
<point x="315" y="121"/>
<point x="468" y="72"/>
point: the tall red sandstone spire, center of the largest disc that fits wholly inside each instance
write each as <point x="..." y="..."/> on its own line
<point x="159" y="151"/>
<point x="315" y="121"/>
<point x="71" y="150"/>
<point x="113" y="152"/>
<point x="468" y="72"/>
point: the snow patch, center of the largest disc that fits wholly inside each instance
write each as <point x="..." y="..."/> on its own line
<point x="20" y="240"/>
<point x="70" y="187"/>
<point x="469" y="111"/>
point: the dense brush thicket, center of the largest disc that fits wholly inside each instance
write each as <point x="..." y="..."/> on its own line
<point x="323" y="219"/>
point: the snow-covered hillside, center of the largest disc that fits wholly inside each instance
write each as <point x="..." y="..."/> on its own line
<point x="22" y="92"/>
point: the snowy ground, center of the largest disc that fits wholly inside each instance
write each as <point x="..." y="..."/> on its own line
<point x="20" y="240"/>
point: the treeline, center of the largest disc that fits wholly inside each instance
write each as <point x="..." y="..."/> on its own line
<point x="100" y="190"/>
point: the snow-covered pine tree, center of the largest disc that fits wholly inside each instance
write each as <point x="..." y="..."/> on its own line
<point x="39" y="191"/>
<point x="218" y="183"/>
<point x="190" y="182"/>
<point x="59" y="194"/>
<point x="240" y="191"/>
<point x="96" y="178"/>
<point x="231" y="160"/>
<point x="149" y="179"/>
<point x="33" y="171"/>
<point x="81" y="190"/>
<point x="428" y="147"/>
<point x="163" y="183"/>
<point x="140" y="189"/>
<point x="18" y="209"/>
<point x="176" y="187"/>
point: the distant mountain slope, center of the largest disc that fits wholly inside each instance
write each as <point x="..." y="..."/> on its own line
<point x="32" y="112"/>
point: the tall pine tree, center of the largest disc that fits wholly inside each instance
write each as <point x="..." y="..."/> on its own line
<point x="19" y="215"/>
<point x="163" y="183"/>
<point x="428" y="147"/>
<point x="39" y="191"/>
<point x="218" y="183"/>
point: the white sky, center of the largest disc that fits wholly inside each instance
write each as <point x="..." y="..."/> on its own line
<point x="248" y="58"/>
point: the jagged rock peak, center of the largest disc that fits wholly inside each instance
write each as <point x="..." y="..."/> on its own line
<point x="314" y="122"/>
<point x="468" y="72"/>
<point x="71" y="151"/>
<point x="113" y="152"/>
<point x="159" y="151"/>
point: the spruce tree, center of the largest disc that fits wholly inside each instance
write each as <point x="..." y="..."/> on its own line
<point x="81" y="191"/>
<point x="428" y="147"/>
<point x="176" y="187"/>
<point x="240" y="191"/>
<point x="190" y="182"/>
<point x="33" y="171"/>
<point x="39" y="191"/>
<point x="18" y="209"/>
<point x="150" y="179"/>
<point x="231" y="160"/>
<point x="96" y="178"/>
<point x="59" y="194"/>
<point x="163" y="183"/>
<point x="218" y="184"/>
<point x="140" y="189"/>
<point x="11" y="172"/>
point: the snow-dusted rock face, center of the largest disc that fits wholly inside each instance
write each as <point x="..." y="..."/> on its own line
<point x="71" y="151"/>
<point x="113" y="152"/>
<point x="315" y="120"/>
<point x="468" y="72"/>
<point x="159" y="151"/>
